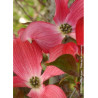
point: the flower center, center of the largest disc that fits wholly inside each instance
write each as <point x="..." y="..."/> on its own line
<point x="35" y="82"/>
<point x="66" y="28"/>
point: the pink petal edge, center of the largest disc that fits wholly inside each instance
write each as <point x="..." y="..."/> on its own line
<point x="21" y="31"/>
<point x="36" y="93"/>
<point x="72" y="35"/>
<point x="18" y="82"/>
<point x="80" y="31"/>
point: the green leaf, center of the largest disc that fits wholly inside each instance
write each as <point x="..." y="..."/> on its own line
<point x="66" y="63"/>
<point x="45" y="58"/>
<point x="68" y="39"/>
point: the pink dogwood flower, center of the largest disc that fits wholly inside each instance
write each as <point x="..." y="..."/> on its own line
<point x="49" y="35"/>
<point x="27" y="66"/>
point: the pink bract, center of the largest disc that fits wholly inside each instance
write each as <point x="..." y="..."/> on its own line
<point x="80" y="32"/>
<point x="27" y="66"/>
<point x="20" y="32"/>
<point x="45" y="35"/>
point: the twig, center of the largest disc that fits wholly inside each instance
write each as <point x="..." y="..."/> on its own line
<point x="36" y="11"/>
<point x="72" y="93"/>
<point x="42" y="3"/>
<point x="23" y="10"/>
<point x="39" y="13"/>
<point x="81" y="72"/>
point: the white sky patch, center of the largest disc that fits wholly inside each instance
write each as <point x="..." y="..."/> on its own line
<point x="22" y="20"/>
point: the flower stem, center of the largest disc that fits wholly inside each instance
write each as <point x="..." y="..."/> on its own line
<point x="81" y="70"/>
